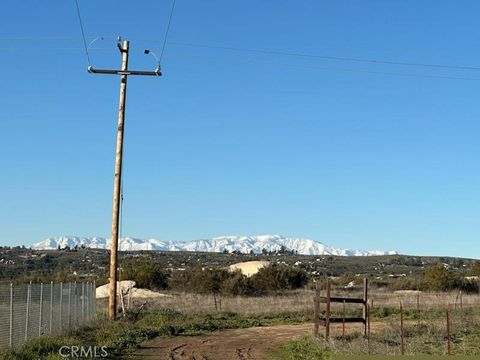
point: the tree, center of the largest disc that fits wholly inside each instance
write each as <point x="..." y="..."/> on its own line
<point x="475" y="269"/>
<point x="439" y="278"/>
<point x="274" y="278"/>
<point x="146" y="275"/>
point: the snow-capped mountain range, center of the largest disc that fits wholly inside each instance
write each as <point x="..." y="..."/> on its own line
<point x="244" y="244"/>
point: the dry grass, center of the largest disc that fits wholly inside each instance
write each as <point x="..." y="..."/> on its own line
<point x="302" y="301"/>
<point x="425" y="330"/>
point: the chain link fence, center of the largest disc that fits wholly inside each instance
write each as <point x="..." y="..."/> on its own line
<point x="31" y="310"/>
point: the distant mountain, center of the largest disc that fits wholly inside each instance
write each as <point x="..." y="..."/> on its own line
<point x="244" y="244"/>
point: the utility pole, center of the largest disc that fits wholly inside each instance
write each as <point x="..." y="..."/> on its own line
<point x="124" y="72"/>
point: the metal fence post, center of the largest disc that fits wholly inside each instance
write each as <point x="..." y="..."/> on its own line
<point x="90" y="301"/>
<point x="69" y="303"/>
<point x="61" y="303"/>
<point x="87" y="305"/>
<point x="94" y="299"/>
<point x="75" y="303"/>
<point x="40" y="311"/>
<point x="83" y="301"/>
<point x="11" y="315"/>
<point x="27" y="314"/>
<point x="51" y="307"/>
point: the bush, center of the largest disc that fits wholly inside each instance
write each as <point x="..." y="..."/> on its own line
<point x="475" y="269"/>
<point x="146" y="275"/>
<point x="6" y="354"/>
<point x="439" y="278"/>
<point x="200" y="281"/>
<point x="275" y="278"/>
<point x="236" y="284"/>
<point x="306" y="348"/>
<point x="225" y="282"/>
<point x="43" y="348"/>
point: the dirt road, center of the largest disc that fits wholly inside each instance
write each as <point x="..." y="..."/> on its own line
<point x="239" y="344"/>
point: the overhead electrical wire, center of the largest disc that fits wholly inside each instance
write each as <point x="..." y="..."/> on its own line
<point x="315" y="67"/>
<point x="261" y="51"/>
<point x="168" y="30"/>
<point x="249" y="50"/>
<point x="83" y="32"/>
<point x="325" y="57"/>
<point x="47" y="48"/>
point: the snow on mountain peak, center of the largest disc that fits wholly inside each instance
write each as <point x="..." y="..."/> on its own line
<point x="244" y="244"/>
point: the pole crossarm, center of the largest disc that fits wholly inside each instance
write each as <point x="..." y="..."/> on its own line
<point x="156" y="72"/>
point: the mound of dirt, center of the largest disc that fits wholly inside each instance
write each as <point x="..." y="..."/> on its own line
<point x="146" y="294"/>
<point x="248" y="268"/>
<point x="124" y="286"/>
<point x="127" y="286"/>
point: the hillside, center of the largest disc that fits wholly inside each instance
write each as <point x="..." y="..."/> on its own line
<point x="46" y="265"/>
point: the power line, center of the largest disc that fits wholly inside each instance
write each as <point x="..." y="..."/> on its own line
<point x="83" y="33"/>
<point x="260" y="51"/>
<point x="290" y="65"/>
<point x="325" y="57"/>
<point x="47" y="48"/>
<point x="11" y="38"/>
<point x="314" y="67"/>
<point x="168" y="30"/>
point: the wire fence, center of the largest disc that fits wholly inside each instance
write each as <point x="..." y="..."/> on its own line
<point x="29" y="311"/>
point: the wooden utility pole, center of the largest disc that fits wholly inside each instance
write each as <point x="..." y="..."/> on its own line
<point x="124" y="72"/>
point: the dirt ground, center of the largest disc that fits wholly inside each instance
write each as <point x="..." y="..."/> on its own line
<point x="238" y="344"/>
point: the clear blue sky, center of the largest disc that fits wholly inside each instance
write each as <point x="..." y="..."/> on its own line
<point x="352" y="154"/>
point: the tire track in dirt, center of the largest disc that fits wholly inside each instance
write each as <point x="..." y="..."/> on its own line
<point x="239" y="344"/>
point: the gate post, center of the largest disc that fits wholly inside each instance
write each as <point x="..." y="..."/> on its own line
<point x="327" y="314"/>
<point x="365" y="305"/>
<point x="316" y="309"/>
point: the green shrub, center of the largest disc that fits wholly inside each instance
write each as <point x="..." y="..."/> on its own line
<point x="306" y="348"/>
<point x="276" y="277"/>
<point x="6" y="354"/>
<point x="475" y="269"/>
<point x="146" y="275"/>
<point x="43" y="348"/>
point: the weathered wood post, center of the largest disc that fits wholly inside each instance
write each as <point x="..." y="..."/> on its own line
<point x="461" y="300"/>
<point x="368" y="328"/>
<point x="327" y="314"/>
<point x="343" y="322"/>
<point x="418" y="300"/>
<point x="449" y="345"/>
<point x="402" y="349"/>
<point x="365" y="305"/>
<point x="10" y="341"/>
<point x="316" y="309"/>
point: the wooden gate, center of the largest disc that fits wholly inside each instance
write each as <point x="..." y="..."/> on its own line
<point x="328" y="299"/>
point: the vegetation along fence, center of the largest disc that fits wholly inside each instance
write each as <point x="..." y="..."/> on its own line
<point x="31" y="310"/>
